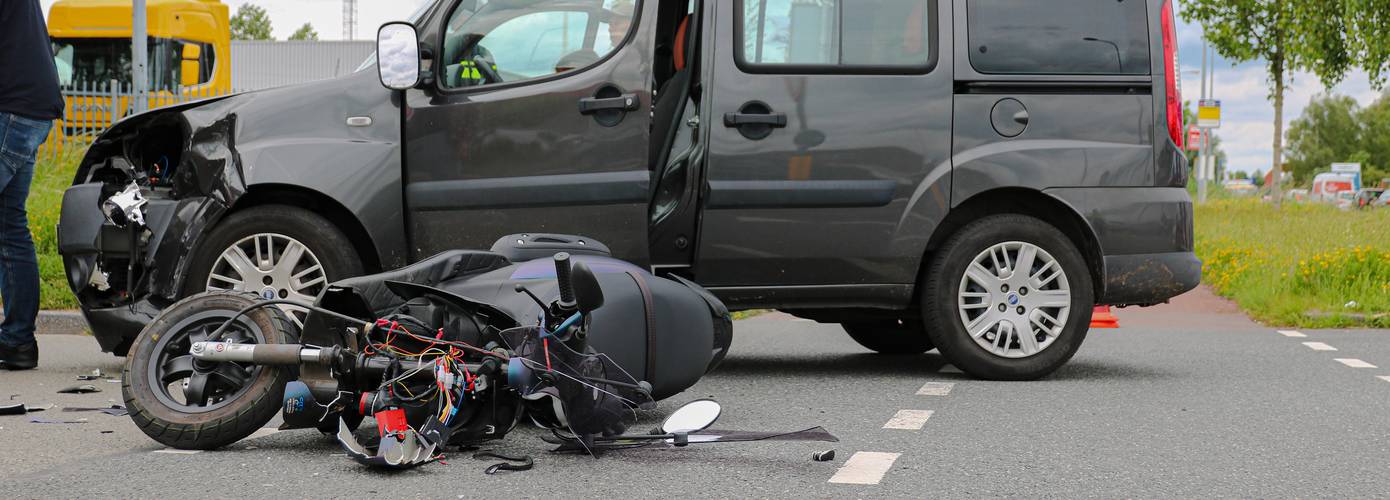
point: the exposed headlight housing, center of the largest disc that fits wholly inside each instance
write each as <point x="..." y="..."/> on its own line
<point x="126" y="207"/>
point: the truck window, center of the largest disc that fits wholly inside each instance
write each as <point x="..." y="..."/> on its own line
<point x="1075" y="37"/>
<point x="84" y="62"/>
<point x="892" y="33"/>
<point x="530" y="40"/>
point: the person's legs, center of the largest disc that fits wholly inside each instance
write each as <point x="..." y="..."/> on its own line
<point x="19" y="269"/>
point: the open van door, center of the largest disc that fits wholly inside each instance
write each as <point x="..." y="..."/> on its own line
<point x="537" y="120"/>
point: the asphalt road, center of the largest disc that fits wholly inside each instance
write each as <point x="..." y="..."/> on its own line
<point x="1188" y="400"/>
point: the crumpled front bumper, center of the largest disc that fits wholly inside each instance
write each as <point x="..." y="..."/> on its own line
<point x="92" y="246"/>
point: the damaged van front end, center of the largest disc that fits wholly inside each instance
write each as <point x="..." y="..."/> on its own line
<point x="182" y="161"/>
<point x="182" y="169"/>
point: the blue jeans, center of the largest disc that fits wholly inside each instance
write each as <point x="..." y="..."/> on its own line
<point x="20" y="138"/>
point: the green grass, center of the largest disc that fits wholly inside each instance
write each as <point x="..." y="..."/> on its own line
<point x="1307" y="265"/>
<point x="52" y="175"/>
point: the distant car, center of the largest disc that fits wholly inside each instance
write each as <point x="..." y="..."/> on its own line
<point x="1383" y="200"/>
<point x="1367" y="198"/>
<point x="1240" y="187"/>
<point x="1329" y="186"/>
<point x="1297" y="195"/>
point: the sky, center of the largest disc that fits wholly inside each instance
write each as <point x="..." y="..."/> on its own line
<point x="1246" y="133"/>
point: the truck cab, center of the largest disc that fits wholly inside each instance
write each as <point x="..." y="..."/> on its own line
<point x="189" y="54"/>
<point x="971" y="176"/>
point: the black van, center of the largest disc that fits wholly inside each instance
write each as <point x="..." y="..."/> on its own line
<point x="967" y="175"/>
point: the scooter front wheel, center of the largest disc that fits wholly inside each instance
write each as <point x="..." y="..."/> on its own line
<point x="189" y="403"/>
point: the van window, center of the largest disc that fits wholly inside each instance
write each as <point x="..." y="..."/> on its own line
<point x="497" y="42"/>
<point x="835" y="32"/>
<point x="1077" y="37"/>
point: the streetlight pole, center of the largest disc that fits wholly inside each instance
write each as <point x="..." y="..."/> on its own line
<point x="139" y="56"/>
<point x="1201" y="167"/>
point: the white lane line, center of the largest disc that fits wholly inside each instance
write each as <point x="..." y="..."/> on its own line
<point x="949" y="368"/>
<point x="1384" y="377"/>
<point x="1319" y="346"/>
<point x="176" y="451"/>
<point x="865" y="467"/>
<point x="908" y="420"/>
<point x="936" y="389"/>
<point x="1291" y="333"/>
<point x="1354" y="363"/>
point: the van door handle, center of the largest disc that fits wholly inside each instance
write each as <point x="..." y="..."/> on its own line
<point x="755" y="120"/>
<point x="777" y="120"/>
<point x="625" y="102"/>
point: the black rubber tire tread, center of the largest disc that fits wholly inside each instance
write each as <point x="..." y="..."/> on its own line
<point x="223" y="426"/>
<point x="335" y="252"/>
<point x="889" y="336"/>
<point x="942" y="279"/>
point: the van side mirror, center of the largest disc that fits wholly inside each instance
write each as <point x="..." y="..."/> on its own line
<point x="398" y="56"/>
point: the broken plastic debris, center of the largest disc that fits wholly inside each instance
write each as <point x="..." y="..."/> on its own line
<point x="79" y="389"/>
<point x="96" y="374"/>
<point x="21" y="409"/>
<point x="823" y="456"/>
<point x="37" y="420"/>
<point x="113" y="410"/>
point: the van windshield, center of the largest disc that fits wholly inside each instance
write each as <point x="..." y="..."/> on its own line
<point x="96" y="62"/>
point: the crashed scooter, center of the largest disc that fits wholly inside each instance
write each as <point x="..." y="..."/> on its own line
<point x="454" y="350"/>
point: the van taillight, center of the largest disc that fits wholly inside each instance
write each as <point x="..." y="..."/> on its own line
<point x="1173" y="92"/>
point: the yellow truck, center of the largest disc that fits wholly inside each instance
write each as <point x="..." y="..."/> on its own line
<point x="189" y="55"/>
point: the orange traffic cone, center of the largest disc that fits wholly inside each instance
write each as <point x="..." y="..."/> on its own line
<point x="1102" y="318"/>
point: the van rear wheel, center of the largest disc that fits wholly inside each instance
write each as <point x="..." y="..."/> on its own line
<point x="889" y="336"/>
<point x="1008" y="297"/>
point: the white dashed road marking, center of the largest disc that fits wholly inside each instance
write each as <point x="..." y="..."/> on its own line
<point x="1384" y="377"/>
<point x="909" y="420"/>
<point x="1355" y="363"/>
<point x="1319" y="346"/>
<point x="935" y="389"/>
<point x="1291" y="333"/>
<point x="865" y="467"/>
<point x="176" y="451"/>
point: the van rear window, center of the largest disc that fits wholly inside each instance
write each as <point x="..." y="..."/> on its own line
<point x="1077" y="37"/>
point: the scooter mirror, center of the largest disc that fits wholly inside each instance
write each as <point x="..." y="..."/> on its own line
<point x="694" y="416"/>
<point x="586" y="289"/>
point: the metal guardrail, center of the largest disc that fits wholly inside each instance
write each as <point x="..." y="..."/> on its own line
<point x="93" y="107"/>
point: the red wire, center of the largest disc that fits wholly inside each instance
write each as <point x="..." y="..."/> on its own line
<point x="546" y="343"/>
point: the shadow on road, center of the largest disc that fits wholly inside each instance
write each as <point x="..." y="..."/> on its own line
<point x="928" y="365"/>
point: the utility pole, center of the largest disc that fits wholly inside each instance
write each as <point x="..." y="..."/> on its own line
<point x="139" y="57"/>
<point x="349" y="19"/>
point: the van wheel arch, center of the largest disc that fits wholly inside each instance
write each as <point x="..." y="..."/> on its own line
<point x="308" y="199"/>
<point x="1029" y="202"/>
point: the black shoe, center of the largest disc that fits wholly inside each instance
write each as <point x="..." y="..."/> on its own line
<point x="25" y="357"/>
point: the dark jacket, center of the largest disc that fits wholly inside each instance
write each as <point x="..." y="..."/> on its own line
<point x="28" y="77"/>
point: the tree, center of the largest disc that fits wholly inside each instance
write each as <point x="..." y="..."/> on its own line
<point x="250" y="23"/>
<point x="1289" y="36"/>
<point x="1329" y="130"/>
<point x="305" y="32"/>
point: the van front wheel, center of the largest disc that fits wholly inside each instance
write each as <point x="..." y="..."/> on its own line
<point x="1008" y="297"/>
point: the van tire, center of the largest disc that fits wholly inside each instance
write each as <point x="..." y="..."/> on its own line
<point x="941" y="296"/>
<point x="889" y="336"/>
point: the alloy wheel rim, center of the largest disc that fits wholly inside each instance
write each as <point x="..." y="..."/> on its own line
<point x="273" y="266"/>
<point x="1014" y="299"/>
